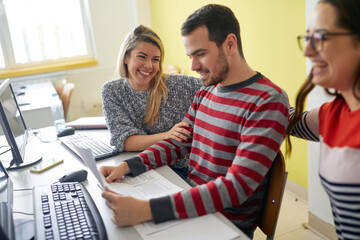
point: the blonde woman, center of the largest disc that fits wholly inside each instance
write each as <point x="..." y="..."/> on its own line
<point x="145" y="105"/>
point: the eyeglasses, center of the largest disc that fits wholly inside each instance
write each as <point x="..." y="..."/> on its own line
<point x="317" y="39"/>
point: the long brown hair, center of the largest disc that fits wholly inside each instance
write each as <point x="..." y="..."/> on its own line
<point x="348" y="12"/>
<point x="157" y="92"/>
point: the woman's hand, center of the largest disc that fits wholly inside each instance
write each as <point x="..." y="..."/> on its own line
<point x="114" y="174"/>
<point x="179" y="132"/>
<point x="127" y="211"/>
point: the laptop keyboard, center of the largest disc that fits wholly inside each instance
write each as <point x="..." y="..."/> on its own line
<point x="66" y="211"/>
<point x="100" y="150"/>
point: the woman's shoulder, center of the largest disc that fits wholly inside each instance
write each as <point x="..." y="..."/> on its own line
<point x="179" y="80"/>
<point x="115" y="84"/>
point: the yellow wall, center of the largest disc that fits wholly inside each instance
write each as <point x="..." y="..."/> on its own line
<point x="268" y="30"/>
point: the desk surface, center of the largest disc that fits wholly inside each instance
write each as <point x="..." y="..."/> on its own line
<point x="23" y="179"/>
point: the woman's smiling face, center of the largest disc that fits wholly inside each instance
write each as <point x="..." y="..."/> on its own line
<point x="142" y="64"/>
<point x="336" y="64"/>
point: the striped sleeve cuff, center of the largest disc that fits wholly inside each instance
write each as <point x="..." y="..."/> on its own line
<point x="161" y="209"/>
<point x="301" y="129"/>
<point x="136" y="166"/>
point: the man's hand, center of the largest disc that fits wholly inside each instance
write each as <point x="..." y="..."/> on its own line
<point x="179" y="132"/>
<point x="127" y="211"/>
<point x="114" y="174"/>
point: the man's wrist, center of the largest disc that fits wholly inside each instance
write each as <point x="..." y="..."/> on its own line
<point x="146" y="210"/>
<point x="125" y="168"/>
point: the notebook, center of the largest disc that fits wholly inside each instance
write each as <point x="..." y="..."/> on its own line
<point x="85" y="123"/>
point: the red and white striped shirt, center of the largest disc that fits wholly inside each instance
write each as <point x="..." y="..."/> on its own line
<point x="237" y="131"/>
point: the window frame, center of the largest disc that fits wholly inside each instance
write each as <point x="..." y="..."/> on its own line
<point x="12" y="69"/>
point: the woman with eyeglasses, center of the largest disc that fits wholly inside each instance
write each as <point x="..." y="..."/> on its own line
<point x="332" y="44"/>
<point x="144" y="105"/>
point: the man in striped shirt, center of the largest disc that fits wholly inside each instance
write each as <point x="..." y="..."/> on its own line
<point x="238" y="119"/>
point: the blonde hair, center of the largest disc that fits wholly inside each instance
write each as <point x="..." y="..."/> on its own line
<point x="157" y="92"/>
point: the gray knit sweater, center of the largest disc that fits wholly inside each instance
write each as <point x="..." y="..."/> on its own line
<point x="124" y="108"/>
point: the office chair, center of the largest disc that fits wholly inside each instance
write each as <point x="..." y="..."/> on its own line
<point x="59" y="86"/>
<point x="273" y="197"/>
<point x="66" y="95"/>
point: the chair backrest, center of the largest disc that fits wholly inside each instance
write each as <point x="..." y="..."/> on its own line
<point x="273" y="197"/>
<point x="170" y="68"/>
<point x="66" y="95"/>
<point x="59" y="86"/>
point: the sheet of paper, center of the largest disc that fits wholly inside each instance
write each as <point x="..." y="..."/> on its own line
<point x="90" y="162"/>
<point x="206" y="227"/>
<point x="151" y="184"/>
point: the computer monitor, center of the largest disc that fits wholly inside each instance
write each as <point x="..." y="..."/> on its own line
<point x="14" y="128"/>
<point x="6" y="201"/>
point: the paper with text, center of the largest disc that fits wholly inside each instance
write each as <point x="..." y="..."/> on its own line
<point x="151" y="184"/>
<point x="90" y="162"/>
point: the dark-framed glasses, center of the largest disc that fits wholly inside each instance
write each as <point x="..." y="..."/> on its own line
<point x="317" y="39"/>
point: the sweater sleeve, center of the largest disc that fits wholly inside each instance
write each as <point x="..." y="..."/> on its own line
<point x="261" y="139"/>
<point x="308" y="127"/>
<point x="118" y="116"/>
<point x="165" y="152"/>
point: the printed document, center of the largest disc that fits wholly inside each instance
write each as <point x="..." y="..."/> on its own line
<point x="151" y="184"/>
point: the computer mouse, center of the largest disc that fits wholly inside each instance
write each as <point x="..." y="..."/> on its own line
<point x="76" y="176"/>
<point x="67" y="131"/>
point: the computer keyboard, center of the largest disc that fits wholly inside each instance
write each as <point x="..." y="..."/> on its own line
<point x="66" y="211"/>
<point x="100" y="150"/>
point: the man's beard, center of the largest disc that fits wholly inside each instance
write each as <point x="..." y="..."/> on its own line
<point x="224" y="69"/>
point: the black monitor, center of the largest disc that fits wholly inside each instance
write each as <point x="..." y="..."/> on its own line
<point x="14" y="128"/>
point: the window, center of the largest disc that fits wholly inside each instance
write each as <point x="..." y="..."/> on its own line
<point x="44" y="35"/>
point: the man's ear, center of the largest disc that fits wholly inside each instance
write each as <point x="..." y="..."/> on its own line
<point x="230" y="44"/>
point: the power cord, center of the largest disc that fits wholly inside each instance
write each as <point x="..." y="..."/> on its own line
<point x="24" y="213"/>
<point x="38" y="135"/>
<point x="23" y="189"/>
<point x="5" y="150"/>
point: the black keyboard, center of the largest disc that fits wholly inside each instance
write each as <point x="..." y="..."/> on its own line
<point x="66" y="211"/>
<point x="100" y="150"/>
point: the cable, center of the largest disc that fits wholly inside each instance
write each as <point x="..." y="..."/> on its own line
<point x="39" y="137"/>
<point x="5" y="150"/>
<point x="23" y="189"/>
<point x="30" y="214"/>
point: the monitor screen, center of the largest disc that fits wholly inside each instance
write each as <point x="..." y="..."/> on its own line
<point x="13" y="124"/>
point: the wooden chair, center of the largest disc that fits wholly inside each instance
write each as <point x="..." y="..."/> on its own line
<point x="59" y="86"/>
<point x="273" y="197"/>
<point x="170" y="68"/>
<point x="66" y="95"/>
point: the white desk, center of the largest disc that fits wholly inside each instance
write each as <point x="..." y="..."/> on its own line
<point x="35" y="103"/>
<point x="24" y="179"/>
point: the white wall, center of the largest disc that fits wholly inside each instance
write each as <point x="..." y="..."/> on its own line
<point x="318" y="201"/>
<point x="111" y="20"/>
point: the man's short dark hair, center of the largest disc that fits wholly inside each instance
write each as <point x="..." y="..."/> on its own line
<point x="219" y="20"/>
